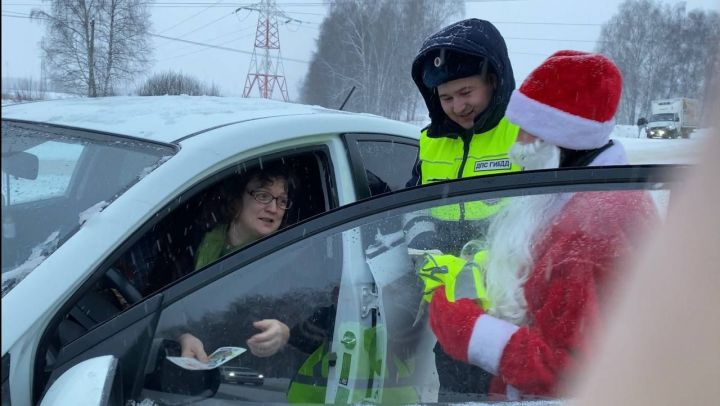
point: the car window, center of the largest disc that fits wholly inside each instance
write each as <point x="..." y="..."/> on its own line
<point x="56" y="162"/>
<point x="390" y="162"/>
<point x="356" y="306"/>
<point x="384" y="163"/>
<point x="298" y="287"/>
<point x="54" y="179"/>
<point x="170" y="246"/>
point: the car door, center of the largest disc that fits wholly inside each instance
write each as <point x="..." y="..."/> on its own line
<point x="349" y="291"/>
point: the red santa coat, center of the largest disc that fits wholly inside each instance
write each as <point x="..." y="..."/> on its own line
<point x="575" y="263"/>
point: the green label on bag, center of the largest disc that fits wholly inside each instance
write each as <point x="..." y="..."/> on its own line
<point x="345" y="371"/>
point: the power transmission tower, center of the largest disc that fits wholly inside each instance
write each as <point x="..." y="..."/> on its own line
<point x="266" y="69"/>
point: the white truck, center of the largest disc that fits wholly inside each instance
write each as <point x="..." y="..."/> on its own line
<point x="673" y="118"/>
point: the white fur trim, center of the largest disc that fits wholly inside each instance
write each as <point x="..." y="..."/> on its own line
<point x="614" y="155"/>
<point x="488" y="340"/>
<point x="512" y="393"/>
<point x="556" y="126"/>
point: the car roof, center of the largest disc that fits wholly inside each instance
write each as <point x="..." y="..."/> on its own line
<point x="156" y="118"/>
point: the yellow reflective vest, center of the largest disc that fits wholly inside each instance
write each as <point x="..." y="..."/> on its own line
<point x="445" y="158"/>
<point x="310" y="383"/>
<point x="444" y="270"/>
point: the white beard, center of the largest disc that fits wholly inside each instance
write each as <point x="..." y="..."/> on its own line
<point x="510" y="255"/>
<point x="535" y="155"/>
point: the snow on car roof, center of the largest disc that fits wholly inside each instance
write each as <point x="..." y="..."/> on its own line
<point x="158" y="118"/>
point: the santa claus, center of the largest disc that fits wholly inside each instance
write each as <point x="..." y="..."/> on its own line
<point x="552" y="258"/>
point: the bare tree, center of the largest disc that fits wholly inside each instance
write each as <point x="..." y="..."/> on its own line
<point x="370" y="46"/>
<point x="662" y="51"/>
<point x="92" y="45"/>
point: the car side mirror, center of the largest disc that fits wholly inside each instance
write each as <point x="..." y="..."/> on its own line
<point x="21" y="164"/>
<point x="92" y="382"/>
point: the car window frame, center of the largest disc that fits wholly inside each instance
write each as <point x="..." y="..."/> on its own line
<point x="82" y="133"/>
<point x="351" y="140"/>
<point x="630" y="177"/>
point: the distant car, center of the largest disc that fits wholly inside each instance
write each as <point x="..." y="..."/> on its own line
<point x="241" y="375"/>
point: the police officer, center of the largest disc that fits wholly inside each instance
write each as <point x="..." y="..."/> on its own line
<point x="464" y="75"/>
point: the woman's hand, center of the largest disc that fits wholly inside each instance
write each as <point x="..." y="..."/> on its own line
<point x="272" y="338"/>
<point x="192" y="347"/>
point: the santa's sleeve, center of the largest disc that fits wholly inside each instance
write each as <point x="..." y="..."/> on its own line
<point x="537" y="354"/>
<point x="530" y="358"/>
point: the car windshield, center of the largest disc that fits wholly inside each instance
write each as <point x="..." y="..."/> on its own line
<point x="53" y="180"/>
<point x="662" y="117"/>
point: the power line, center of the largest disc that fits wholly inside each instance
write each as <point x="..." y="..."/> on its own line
<point x="165" y="4"/>
<point x="15" y="12"/>
<point x="205" y="25"/>
<point x="206" y="49"/>
<point x="223" y="35"/>
<point x="529" y="53"/>
<point x="17" y="16"/>
<point x="553" y="39"/>
<point x="180" y="40"/>
<point x="494" y="22"/>
<point x="191" y="17"/>
<point x="222" y="48"/>
<point x="546" y="23"/>
<point x="27" y="17"/>
<point x="305" y="26"/>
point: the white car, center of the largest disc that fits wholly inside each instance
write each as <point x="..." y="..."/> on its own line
<point x="97" y="293"/>
<point x="83" y="178"/>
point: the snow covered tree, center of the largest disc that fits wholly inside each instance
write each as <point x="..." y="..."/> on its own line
<point x="662" y="51"/>
<point x="370" y="46"/>
<point x="92" y="45"/>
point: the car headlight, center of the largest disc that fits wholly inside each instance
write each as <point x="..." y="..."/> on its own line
<point x="231" y="374"/>
<point x="260" y="376"/>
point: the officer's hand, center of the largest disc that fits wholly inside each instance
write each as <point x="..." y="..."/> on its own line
<point x="192" y="347"/>
<point x="272" y="338"/>
<point x="453" y="323"/>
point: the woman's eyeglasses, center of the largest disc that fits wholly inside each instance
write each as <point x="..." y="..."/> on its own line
<point x="266" y="198"/>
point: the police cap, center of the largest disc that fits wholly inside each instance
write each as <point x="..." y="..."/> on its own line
<point x="443" y="65"/>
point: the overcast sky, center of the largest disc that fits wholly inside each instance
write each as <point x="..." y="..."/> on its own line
<point x="533" y="30"/>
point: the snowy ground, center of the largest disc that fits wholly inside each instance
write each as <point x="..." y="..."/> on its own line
<point x="41" y="96"/>
<point x="642" y="150"/>
<point x="660" y="151"/>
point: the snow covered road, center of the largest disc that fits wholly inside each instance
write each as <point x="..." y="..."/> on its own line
<point x="660" y="151"/>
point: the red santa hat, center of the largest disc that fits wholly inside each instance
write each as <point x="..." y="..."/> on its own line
<point x="569" y="100"/>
